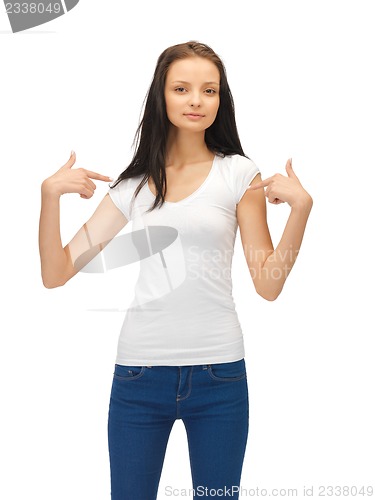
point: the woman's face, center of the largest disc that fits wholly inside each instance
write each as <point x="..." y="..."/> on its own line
<point x="192" y="93"/>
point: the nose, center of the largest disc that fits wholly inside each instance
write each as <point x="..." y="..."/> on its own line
<point x="195" y="99"/>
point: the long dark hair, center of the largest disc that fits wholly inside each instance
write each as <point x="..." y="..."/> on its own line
<point x="152" y="133"/>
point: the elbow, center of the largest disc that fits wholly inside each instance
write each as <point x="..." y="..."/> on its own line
<point x="269" y="295"/>
<point x="52" y="283"/>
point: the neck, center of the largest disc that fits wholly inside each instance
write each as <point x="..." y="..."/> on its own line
<point x="186" y="147"/>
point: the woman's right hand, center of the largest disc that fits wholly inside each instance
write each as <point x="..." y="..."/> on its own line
<point x="76" y="180"/>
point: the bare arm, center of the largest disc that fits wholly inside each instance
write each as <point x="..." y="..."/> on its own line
<point x="269" y="267"/>
<point x="57" y="263"/>
<point x="53" y="259"/>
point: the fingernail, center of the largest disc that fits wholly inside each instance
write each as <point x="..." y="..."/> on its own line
<point x="110" y="178"/>
<point x="72" y="153"/>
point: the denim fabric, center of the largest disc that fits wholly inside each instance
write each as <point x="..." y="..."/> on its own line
<point x="211" y="400"/>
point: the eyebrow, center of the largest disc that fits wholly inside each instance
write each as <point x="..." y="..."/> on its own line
<point x="205" y="83"/>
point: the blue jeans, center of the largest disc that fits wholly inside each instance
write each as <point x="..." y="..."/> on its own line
<point x="212" y="401"/>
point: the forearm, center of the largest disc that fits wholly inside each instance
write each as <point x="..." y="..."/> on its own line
<point x="277" y="266"/>
<point x="52" y="255"/>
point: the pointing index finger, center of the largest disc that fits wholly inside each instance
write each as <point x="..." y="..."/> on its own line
<point x="259" y="185"/>
<point x="99" y="177"/>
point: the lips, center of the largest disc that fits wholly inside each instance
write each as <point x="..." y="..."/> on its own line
<point x="193" y="114"/>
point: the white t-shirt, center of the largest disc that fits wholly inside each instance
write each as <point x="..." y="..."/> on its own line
<point x="183" y="312"/>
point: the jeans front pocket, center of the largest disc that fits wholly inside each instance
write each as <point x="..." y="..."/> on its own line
<point x="128" y="372"/>
<point x="228" y="372"/>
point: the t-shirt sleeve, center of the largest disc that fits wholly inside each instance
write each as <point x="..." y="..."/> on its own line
<point x="121" y="196"/>
<point x="243" y="172"/>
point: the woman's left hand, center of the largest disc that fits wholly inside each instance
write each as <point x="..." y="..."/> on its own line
<point x="281" y="189"/>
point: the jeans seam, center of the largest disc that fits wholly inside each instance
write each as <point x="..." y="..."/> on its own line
<point x="189" y="392"/>
<point x="225" y="379"/>
<point x="139" y="375"/>
<point x="189" y="448"/>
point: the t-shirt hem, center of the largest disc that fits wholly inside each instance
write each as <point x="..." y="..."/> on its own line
<point x="180" y="361"/>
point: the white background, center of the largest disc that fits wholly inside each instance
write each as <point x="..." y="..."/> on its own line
<point x="302" y="78"/>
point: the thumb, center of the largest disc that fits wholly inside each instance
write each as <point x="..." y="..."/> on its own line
<point x="289" y="169"/>
<point x="71" y="160"/>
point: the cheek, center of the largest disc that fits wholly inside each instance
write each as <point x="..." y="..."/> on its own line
<point x="171" y="104"/>
<point x="215" y="107"/>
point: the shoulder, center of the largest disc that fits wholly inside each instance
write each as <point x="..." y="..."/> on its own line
<point x="124" y="184"/>
<point x="238" y="171"/>
<point x="242" y="162"/>
<point x="237" y="163"/>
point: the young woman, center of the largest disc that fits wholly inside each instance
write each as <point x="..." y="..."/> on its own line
<point x="181" y="352"/>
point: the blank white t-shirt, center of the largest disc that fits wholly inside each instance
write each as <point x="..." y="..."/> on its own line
<point x="183" y="312"/>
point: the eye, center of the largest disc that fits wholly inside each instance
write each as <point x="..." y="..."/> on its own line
<point x="210" y="91"/>
<point x="180" y="89"/>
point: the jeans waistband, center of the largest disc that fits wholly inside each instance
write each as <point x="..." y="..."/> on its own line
<point x="196" y="367"/>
